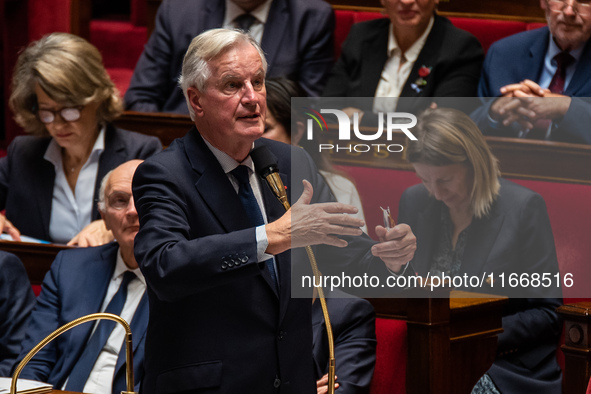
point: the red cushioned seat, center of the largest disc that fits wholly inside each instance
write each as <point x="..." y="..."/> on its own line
<point x="389" y="375"/>
<point x="121" y="77"/>
<point x="487" y="30"/>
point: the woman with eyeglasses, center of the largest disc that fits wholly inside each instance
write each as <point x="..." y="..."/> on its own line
<point x="49" y="181"/>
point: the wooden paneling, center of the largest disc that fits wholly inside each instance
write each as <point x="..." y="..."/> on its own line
<point x="577" y="346"/>
<point x="37" y="258"/>
<point x="519" y="158"/>
<point x="444" y="329"/>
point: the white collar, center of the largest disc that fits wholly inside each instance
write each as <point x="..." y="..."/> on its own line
<point x="53" y="153"/>
<point x="121" y="268"/>
<point x="226" y="161"/>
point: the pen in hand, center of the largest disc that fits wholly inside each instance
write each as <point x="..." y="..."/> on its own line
<point x="388" y="224"/>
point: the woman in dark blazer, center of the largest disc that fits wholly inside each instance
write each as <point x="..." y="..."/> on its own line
<point x="438" y="59"/>
<point x="469" y="221"/>
<point x="49" y="181"/>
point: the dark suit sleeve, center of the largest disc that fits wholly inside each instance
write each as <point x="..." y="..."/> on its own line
<point x="462" y="70"/>
<point x="148" y="146"/>
<point x="484" y="84"/>
<point x="177" y="257"/>
<point x="488" y="95"/>
<point x="355" y="348"/>
<point x="317" y="57"/>
<point x="151" y="83"/>
<point x="44" y="320"/>
<point x="574" y="126"/>
<point x="341" y="76"/>
<point x="533" y="323"/>
<point x="16" y="302"/>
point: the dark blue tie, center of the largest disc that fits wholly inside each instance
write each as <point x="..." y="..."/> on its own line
<point x="244" y="22"/>
<point x="81" y="370"/>
<point x="249" y="202"/>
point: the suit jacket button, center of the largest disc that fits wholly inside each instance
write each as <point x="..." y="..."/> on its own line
<point x="277" y="383"/>
<point x="281" y="335"/>
<point x="231" y="263"/>
<point x="244" y="259"/>
<point x="224" y="265"/>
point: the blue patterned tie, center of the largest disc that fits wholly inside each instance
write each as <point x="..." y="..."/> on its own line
<point x="253" y="211"/>
<point x="81" y="370"/>
<point x="244" y="22"/>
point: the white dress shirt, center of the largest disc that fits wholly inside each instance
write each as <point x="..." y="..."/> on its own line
<point x="71" y="211"/>
<point x="100" y="380"/>
<point x="397" y="70"/>
<point x="260" y="13"/>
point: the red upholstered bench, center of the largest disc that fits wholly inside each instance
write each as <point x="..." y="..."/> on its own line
<point x="486" y="30"/>
<point x="390" y="371"/>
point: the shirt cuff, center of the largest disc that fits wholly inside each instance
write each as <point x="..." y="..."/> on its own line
<point x="262" y="244"/>
<point x="396" y="275"/>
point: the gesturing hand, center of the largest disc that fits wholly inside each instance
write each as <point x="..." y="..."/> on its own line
<point x="312" y="224"/>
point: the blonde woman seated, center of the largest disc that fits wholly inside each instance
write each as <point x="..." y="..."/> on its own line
<point x="468" y="220"/>
<point x="49" y="181"/>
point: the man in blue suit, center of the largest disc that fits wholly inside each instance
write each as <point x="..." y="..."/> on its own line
<point x="296" y="36"/>
<point x="543" y="78"/>
<point x="84" y="281"/>
<point x="214" y="244"/>
<point x="16" y="303"/>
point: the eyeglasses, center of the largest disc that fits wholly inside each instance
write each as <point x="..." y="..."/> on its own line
<point x="582" y="7"/>
<point x="68" y="114"/>
<point x="119" y="200"/>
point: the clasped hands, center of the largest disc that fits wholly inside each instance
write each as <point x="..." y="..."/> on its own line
<point x="526" y="102"/>
<point x="313" y="224"/>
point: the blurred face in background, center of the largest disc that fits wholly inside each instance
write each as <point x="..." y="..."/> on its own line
<point x="275" y="130"/>
<point x="410" y="13"/>
<point x="569" y="22"/>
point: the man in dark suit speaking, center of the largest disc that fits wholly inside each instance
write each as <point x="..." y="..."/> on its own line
<point x="219" y="284"/>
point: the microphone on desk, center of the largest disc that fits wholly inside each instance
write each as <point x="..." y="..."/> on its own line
<point x="72" y="324"/>
<point x="266" y="166"/>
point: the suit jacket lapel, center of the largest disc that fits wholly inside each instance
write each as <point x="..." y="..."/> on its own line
<point x="213" y="185"/>
<point x="428" y="56"/>
<point x="273" y="32"/>
<point x="426" y="237"/>
<point x="532" y="66"/>
<point x="45" y="192"/>
<point x="96" y="281"/>
<point x="582" y="75"/>
<point x="376" y="51"/>
<point x="481" y="238"/>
